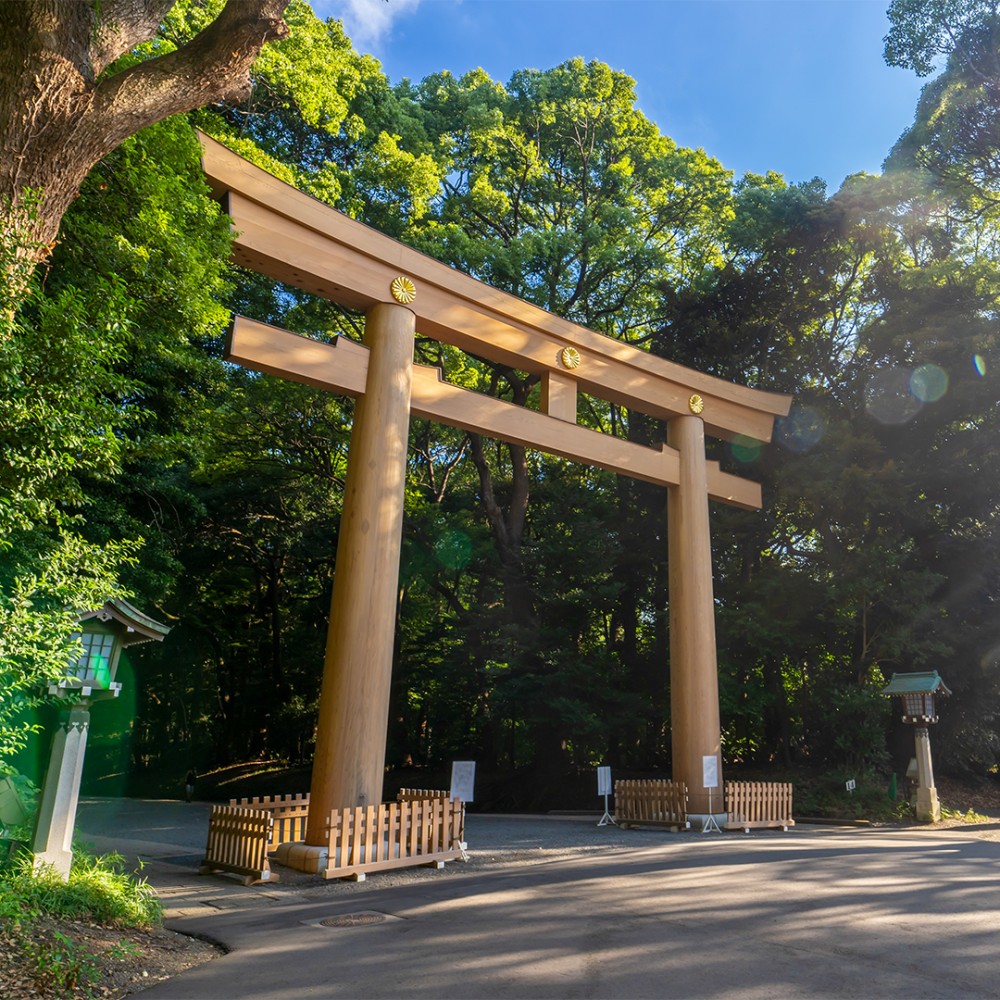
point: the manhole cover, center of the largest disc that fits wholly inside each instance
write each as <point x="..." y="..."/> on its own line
<point x="353" y="920"/>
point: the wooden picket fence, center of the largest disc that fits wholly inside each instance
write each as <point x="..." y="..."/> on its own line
<point x="410" y="794"/>
<point x="288" y="812"/>
<point x="755" y="804"/>
<point x="651" y="802"/>
<point x="238" y="842"/>
<point x="423" y="827"/>
<point x="418" y="831"/>
<point x="458" y="813"/>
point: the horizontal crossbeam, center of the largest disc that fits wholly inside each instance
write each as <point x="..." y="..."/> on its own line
<point x="292" y="237"/>
<point x="343" y="367"/>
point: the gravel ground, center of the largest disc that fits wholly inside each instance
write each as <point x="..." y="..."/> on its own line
<point x="498" y="843"/>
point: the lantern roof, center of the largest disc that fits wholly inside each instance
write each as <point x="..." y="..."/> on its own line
<point x="927" y="682"/>
<point x="138" y="627"/>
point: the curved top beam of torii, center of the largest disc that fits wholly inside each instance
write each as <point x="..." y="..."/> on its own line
<point x="295" y="238"/>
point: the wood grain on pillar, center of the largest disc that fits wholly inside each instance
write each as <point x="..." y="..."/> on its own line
<point x="694" y="680"/>
<point x="354" y="702"/>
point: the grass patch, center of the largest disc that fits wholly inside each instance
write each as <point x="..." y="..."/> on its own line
<point x="99" y="891"/>
<point x="969" y="816"/>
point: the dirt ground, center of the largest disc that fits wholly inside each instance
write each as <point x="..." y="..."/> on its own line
<point x="123" y="961"/>
<point x="982" y="796"/>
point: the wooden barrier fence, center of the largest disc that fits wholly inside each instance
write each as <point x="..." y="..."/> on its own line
<point x="755" y="804"/>
<point x="458" y="813"/>
<point x="418" y="831"/>
<point x="651" y="802"/>
<point x="238" y="842"/>
<point x="410" y="794"/>
<point x="289" y="813"/>
<point x="424" y="827"/>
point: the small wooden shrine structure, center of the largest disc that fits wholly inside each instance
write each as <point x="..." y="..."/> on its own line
<point x="104" y="633"/>
<point x="918" y="694"/>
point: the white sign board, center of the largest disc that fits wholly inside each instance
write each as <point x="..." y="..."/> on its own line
<point x="463" y="779"/>
<point x="604" y="781"/>
<point x="851" y="784"/>
<point x="710" y="771"/>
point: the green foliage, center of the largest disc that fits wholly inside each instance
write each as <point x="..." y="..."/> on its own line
<point x="57" y="961"/>
<point x="969" y="816"/>
<point x="954" y="137"/>
<point x="98" y="890"/>
<point x="322" y="118"/>
<point x="922" y="30"/>
<point x="558" y="189"/>
<point x="827" y="797"/>
<point x="59" y="431"/>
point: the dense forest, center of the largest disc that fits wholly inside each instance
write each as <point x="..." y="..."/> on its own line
<point x="532" y="608"/>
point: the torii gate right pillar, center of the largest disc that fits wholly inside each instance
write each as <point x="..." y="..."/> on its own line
<point x="694" y="678"/>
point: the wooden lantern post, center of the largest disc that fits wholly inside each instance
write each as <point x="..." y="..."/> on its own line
<point x="917" y="694"/>
<point x="104" y="633"/>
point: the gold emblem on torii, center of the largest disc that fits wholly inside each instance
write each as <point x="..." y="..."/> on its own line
<point x="570" y="357"/>
<point x="403" y="290"/>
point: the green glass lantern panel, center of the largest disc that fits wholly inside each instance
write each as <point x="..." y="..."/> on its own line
<point x="94" y="666"/>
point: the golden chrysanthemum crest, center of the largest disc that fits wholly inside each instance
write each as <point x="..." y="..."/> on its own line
<point x="403" y="290"/>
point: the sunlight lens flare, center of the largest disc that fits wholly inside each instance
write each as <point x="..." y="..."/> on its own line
<point x="453" y="550"/>
<point x="801" y="430"/>
<point x="979" y="363"/>
<point x="929" y="383"/>
<point x="888" y="398"/>
<point x="895" y="396"/>
<point x="745" y="449"/>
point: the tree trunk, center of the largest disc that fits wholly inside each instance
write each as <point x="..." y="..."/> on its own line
<point x="61" y="112"/>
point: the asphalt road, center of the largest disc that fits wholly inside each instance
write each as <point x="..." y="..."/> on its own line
<point x="562" y="908"/>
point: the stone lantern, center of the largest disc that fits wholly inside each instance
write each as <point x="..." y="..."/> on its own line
<point x="917" y="694"/>
<point x="104" y="633"/>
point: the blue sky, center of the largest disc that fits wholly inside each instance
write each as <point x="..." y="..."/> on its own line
<point x="797" y="86"/>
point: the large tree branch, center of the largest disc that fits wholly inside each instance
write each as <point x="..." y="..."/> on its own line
<point x="212" y="66"/>
<point x="121" y="26"/>
<point x="57" y="120"/>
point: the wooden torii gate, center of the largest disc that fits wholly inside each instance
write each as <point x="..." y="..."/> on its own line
<point x="292" y="237"/>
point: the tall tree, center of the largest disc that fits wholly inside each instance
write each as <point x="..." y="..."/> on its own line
<point x="955" y="135"/>
<point x="558" y="189"/>
<point x="857" y="305"/>
<point x="72" y="89"/>
<point x="58" y="431"/>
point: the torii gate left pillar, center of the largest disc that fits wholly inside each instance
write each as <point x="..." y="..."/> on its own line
<point x="350" y="738"/>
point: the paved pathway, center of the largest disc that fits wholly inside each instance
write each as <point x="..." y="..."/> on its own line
<point x="550" y="908"/>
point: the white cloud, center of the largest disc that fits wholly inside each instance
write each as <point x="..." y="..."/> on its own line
<point x="367" y="22"/>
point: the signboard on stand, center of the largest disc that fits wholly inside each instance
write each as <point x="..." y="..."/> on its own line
<point x="710" y="779"/>
<point x="463" y="780"/>
<point x="710" y="771"/>
<point x="604" y="781"/>
<point x="604" y="788"/>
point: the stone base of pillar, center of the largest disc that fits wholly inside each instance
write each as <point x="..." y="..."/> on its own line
<point x="58" y="859"/>
<point x="302" y="857"/>
<point x="928" y="807"/>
